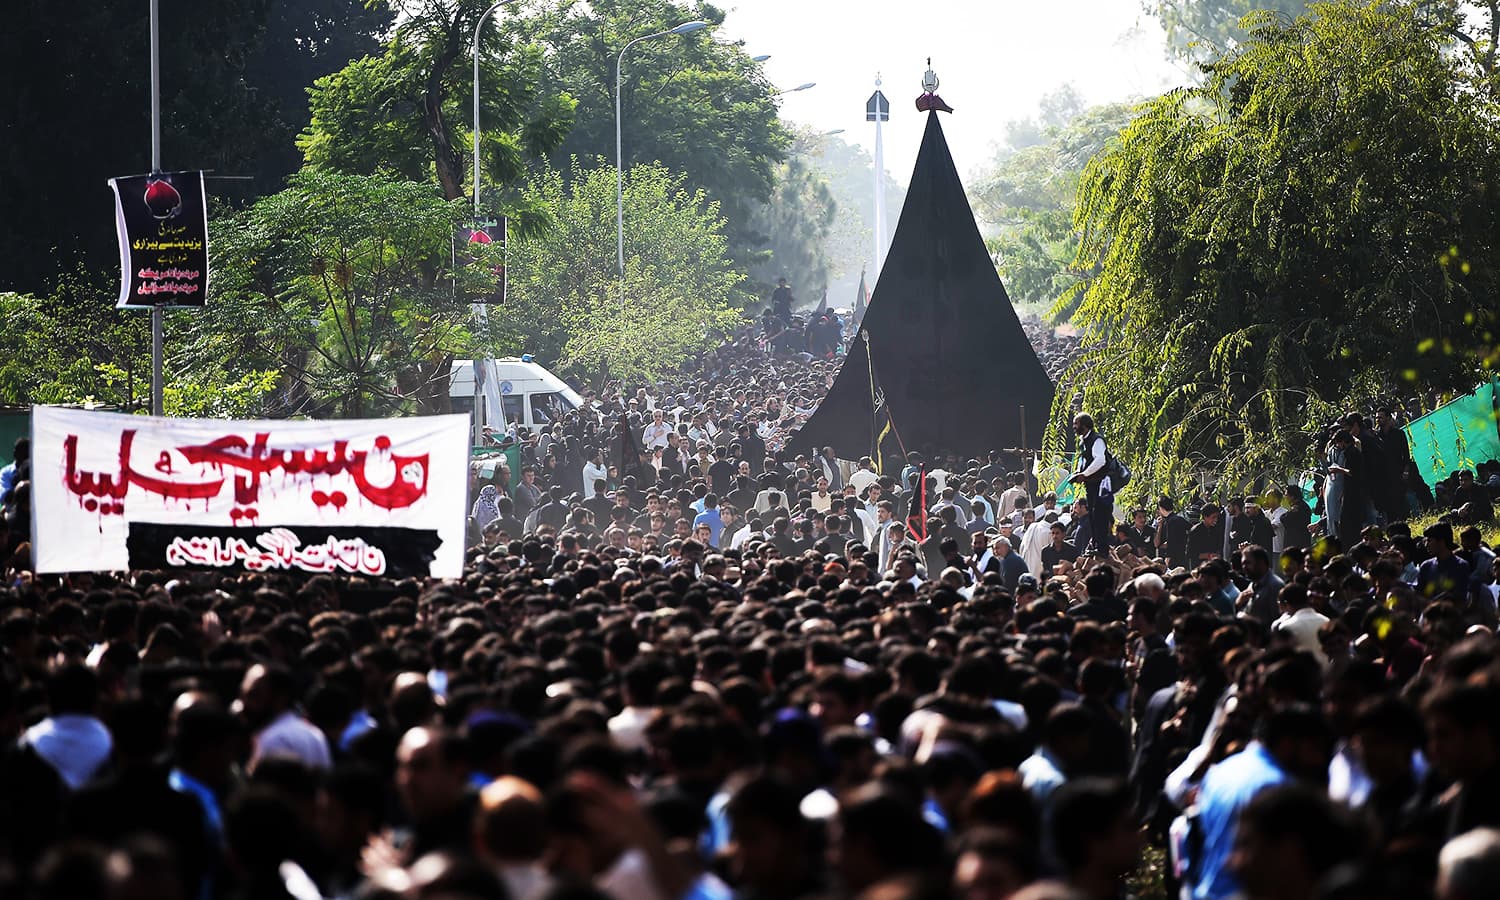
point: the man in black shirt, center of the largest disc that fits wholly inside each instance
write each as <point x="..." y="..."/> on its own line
<point x="1206" y="539"/>
<point x="781" y="540"/>
<point x="1171" y="533"/>
<point x="1239" y="523"/>
<point x="781" y="301"/>
<point x="721" y="476"/>
<point x="1059" y="551"/>
<point x="1101" y="605"/>
<point x="837" y="538"/>
<point x="744" y="493"/>
<point x="1139" y="533"/>
<point x="1296" y="520"/>
<point x="1472" y="499"/>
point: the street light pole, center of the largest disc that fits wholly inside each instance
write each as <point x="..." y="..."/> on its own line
<point x="157" y="324"/>
<point x="477" y="26"/>
<point x="479" y="310"/>
<point x="800" y="87"/>
<point x="684" y="28"/>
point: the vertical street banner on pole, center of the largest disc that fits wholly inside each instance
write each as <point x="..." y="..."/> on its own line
<point x="377" y="497"/>
<point x="487" y="240"/>
<point x="162" y="221"/>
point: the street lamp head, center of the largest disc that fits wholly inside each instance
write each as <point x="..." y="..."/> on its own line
<point x="689" y="27"/>
<point x="762" y="58"/>
<point x="803" y="87"/>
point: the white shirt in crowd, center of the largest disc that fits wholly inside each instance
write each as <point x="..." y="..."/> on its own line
<point x="862" y="480"/>
<point x="1011" y="500"/>
<point x="592" y="471"/>
<point x="655" y="435"/>
<point x="1303" y="626"/>
<point x="628" y="729"/>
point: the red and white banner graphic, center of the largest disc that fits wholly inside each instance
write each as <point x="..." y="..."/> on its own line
<point x="382" y="497"/>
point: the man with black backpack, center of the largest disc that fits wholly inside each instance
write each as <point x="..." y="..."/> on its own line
<point x="1101" y="475"/>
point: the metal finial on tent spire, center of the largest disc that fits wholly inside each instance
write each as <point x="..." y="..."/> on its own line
<point x="929" y="99"/>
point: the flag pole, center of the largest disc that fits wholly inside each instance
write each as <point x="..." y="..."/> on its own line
<point x="874" y="407"/>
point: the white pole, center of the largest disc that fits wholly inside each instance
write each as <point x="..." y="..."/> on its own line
<point x="879" y="193"/>
<point x="684" y="28"/>
<point x="620" y="164"/>
<point x="157" y="324"/>
<point x="480" y="312"/>
<point x="620" y="179"/>
<point x="477" y="26"/>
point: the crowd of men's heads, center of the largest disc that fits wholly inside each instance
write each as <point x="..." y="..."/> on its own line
<point x="630" y="710"/>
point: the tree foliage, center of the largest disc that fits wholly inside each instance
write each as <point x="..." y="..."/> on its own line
<point x="73" y="347"/>
<point x="344" y="285"/>
<point x="565" y="301"/>
<point x="304" y="40"/>
<point x="1315" y="226"/>
<point x="695" y="105"/>
<point x="408" y="111"/>
<point x="1028" y="194"/>
<point x="75" y="110"/>
<point x="798" y="221"/>
<point x="1198" y="31"/>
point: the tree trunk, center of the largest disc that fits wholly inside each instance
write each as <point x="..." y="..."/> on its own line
<point x="449" y="164"/>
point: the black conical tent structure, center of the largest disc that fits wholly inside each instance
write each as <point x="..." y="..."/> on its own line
<point x="945" y="346"/>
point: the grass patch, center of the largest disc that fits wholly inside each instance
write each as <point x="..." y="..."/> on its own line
<point x="1490" y="530"/>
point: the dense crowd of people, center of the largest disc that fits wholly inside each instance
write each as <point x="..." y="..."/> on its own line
<point x="1056" y="348"/>
<point x="684" y="662"/>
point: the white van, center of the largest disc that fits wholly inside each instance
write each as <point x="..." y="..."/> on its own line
<point x="525" y="392"/>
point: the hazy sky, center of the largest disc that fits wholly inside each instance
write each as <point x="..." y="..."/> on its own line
<point x="995" y="59"/>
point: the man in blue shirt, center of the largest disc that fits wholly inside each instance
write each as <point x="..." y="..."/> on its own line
<point x="8" y="474"/>
<point x="1292" y="743"/>
<point x="710" y="517"/>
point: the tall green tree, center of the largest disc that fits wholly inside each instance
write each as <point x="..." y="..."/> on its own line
<point x="1314" y="227"/>
<point x="347" y="287"/>
<point x="75" y="112"/>
<point x="1200" y="30"/>
<point x="796" y="224"/>
<point x="407" y="112"/>
<point x="72" y="346"/>
<point x="697" y="106"/>
<point x="1027" y="194"/>
<point x="850" y="173"/>
<point x="566" y="303"/>
<point x="304" y="40"/>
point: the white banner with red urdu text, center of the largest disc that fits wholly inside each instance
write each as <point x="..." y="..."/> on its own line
<point x="377" y="497"/>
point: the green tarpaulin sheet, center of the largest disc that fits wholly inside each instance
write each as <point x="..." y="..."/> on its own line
<point x="1457" y="435"/>
<point x="12" y="425"/>
<point x="489" y="459"/>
